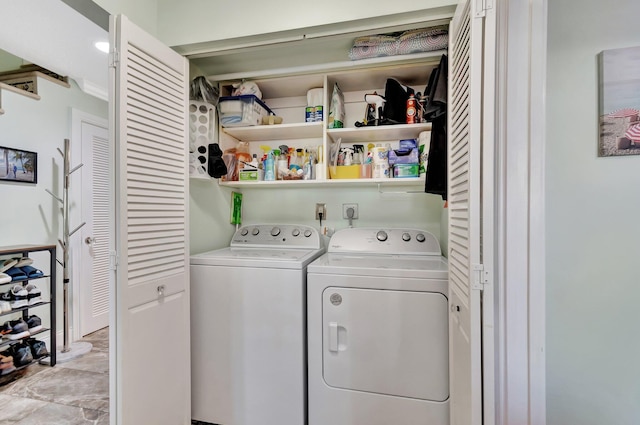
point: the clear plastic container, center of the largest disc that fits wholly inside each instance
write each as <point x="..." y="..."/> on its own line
<point x="242" y="111"/>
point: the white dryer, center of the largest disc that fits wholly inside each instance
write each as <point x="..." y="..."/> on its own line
<point x="378" y="330"/>
<point x="248" y="321"/>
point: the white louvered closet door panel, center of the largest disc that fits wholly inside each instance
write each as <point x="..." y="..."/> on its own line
<point x="152" y="292"/>
<point x="465" y="118"/>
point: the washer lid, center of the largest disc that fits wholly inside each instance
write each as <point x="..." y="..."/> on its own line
<point x="425" y="267"/>
<point x="257" y="257"/>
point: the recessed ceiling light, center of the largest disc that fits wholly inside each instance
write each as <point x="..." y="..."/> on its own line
<point x="103" y="46"/>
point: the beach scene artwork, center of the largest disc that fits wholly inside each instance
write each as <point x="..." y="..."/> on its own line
<point x="619" y="102"/>
<point x="18" y="165"/>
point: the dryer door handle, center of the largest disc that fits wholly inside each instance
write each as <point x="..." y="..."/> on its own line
<point x="333" y="337"/>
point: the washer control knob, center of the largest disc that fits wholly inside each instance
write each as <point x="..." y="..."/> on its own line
<point x="295" y="232"/>
<point x="406" y="237"/>
<point x="381" y="236"/>
<point x="275" y="231"/>
<point x="307" y="233"/>
<point x="255" y="231"/>
<point x="244" y="232"/>
<point x="420" y="237"/>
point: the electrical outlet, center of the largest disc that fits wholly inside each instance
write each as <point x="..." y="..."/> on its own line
<point x="321" y="209"/>
<point x="345" y="207"/>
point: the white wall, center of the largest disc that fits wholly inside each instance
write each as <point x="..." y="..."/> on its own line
<point x="29" y="214"/>
<point x="593" y="236"/>
<point x="193" y="21"/>
<point x="144" y="13"/>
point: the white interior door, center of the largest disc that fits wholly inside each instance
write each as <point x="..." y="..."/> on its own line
<point x="465" y="215"/>
<point x="93" y="282"/>
<point x="151" y="348"/>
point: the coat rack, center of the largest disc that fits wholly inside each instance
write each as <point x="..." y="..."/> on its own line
<point x="76" y="349"/>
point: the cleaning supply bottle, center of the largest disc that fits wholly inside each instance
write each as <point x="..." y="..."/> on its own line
<point x="269" y="167"/>
<point x="282" y="165"/>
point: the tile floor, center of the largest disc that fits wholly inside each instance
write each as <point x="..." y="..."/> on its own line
<point x="71" y="393"/>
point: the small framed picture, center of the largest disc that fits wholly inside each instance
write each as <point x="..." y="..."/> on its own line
<point x="18" y="166"/>
<point x="620" y="102"/>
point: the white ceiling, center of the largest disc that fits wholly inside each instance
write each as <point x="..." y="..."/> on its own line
<point x="51" y="34"/>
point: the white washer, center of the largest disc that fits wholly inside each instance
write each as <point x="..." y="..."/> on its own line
<point x="378" y="330"/>
<point x="248" y="321"/>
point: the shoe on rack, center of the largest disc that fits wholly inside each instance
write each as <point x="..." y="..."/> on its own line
<point x="34" y="296"/>
<point x="34" y="323"/>
<point x="4" y="278"/>
<point x="5" y="328"/>
<point x="6" y="364"/>
<point x="16" y="274"/>
<point x="21" y="354"/>
<point x="19" y="329"/>
<point x="38" y="348"/>
<point x="31" y="272"/>
<point x="5" y="306"/>
<point x="6" y="264"/>
<point x="23" y="261"/>
<point x="17" y="297"/>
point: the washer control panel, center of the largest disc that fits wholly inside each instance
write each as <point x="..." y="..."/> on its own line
<point x="277" y="235"/>
<point x="385" y="241"/>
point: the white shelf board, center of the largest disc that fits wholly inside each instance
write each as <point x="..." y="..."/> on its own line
<point x="379" y="133"/>
<point x="413" y="182"/>
<point x="263" y="133"/>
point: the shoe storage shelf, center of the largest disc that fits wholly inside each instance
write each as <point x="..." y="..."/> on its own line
<point x="25" y="251"/>
<point x="286" y="96"/>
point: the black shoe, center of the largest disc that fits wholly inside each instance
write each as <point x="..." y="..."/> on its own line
<point x="34" y="323"/>
<point x="21" y="354"/>
<point x="19" y="329"/>
<point x="38" y="348"/>
<point x="5" y="328"/>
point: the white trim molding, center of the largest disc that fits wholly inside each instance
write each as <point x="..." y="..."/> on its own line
<point x="520" y="131"/>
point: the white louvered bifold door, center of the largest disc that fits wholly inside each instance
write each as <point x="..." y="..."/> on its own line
<point x="465" y="132"/>
<point x="152" y="278"/>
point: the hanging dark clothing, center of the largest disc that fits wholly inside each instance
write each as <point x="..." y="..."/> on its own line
<point x="436" y="113"/>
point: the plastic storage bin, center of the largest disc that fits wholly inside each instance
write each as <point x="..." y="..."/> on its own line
<point x="242" y="111"/>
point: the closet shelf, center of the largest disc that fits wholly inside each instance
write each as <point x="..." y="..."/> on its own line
<point x="299" y="184"/>
<point x="378" y="133"/>
<point x="260" y="133"/>
<point x="7" y="87"/>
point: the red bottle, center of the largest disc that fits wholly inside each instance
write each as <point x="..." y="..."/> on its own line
<point x="411" y="110"/>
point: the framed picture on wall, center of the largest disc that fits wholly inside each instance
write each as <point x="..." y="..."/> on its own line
<point x="18" y="166"/>
<point x="619" y="102"/>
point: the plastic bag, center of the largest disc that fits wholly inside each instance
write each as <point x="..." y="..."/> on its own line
<point x="336" y="111"/>
<point x="202" y="91"/>
<point x="246" y="87"/>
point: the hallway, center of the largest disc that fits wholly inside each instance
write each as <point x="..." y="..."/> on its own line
<point x="73" y="393"/>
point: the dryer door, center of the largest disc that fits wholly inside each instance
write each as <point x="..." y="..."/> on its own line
<point x="387" y="342"/>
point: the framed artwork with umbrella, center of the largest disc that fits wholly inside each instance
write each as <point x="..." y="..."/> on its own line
<point x="619" y="102"/>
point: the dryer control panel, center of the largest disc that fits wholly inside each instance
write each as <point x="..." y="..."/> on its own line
<point x="385" y="241"/>
<point x="277" y="235"/>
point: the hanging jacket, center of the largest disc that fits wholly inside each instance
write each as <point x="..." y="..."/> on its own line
<point x="436" y="113"/>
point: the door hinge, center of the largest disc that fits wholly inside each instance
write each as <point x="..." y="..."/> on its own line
<point x="481" y="7"/>
<point x="114" y="58"/>
<point x="480" y="277"/>
<point x="113" y="260"/>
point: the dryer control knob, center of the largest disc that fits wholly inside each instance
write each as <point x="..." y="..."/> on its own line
<point x="255" y="231"/>
<point x="275" y="231"/>
<point x="244" y="232"/>
<point x="381" y="236"/>
<point x="295" y="232"/>
<point x="406" y="237"/>
<point x="420" y="237"/>
<point x="307" y="233"/>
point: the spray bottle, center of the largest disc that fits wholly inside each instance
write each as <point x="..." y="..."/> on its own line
<point x="269" y="167"/>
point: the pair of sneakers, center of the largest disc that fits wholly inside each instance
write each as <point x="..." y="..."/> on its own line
<point x="19" y="328"/>
<point x="21" y="296"/>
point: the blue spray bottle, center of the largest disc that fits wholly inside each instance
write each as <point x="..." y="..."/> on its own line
<point x="269" y="167"/>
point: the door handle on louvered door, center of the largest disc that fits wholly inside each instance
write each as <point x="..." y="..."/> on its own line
<point x="89" y="240"/>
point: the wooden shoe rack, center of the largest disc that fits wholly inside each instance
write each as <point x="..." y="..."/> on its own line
<point x="24" y="251"/>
